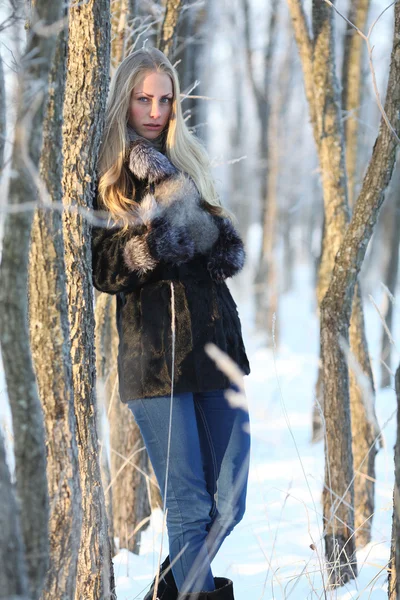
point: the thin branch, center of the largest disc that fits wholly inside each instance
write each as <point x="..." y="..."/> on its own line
<point x="370" y="48"/>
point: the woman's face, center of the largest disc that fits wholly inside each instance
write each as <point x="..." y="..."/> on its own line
<point x="151" y="104"/>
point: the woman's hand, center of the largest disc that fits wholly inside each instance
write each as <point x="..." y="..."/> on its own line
<point x="170" y="244"/>
<point x="227" y="255"/>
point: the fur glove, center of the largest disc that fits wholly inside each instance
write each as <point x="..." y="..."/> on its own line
<point x="143" y="251"/>
<point x="227" y="256"/>
<point x="170" y="244"/>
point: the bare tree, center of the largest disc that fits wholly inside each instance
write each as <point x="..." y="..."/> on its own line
<point x="84" y="109"/>
<point x="363" y="427"/>
<point x="394" y="579"/>
<point x="30" y="457"/>
<point x="262" y="95"/>
<point x="167" y="35"/>
<point x="337" y="304"/>
<point x="354" y="48"/>
<point x="119" y="31"/>
<point x="391" y="275"/>
<point x="50" y="344"/>
<point x="13" y="575"/>
<point x="2" y="115"/>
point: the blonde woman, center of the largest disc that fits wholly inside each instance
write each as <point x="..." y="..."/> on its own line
<point x="166" y="252"/>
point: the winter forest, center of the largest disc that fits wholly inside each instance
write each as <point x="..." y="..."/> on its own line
<point x="298" y="105"/>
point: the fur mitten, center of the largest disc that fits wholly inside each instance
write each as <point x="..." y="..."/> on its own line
<point x="170" y="244"/>
<point x="227" y="255"/>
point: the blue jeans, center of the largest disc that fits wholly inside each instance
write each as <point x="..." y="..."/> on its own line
<point x="207" y="475"/>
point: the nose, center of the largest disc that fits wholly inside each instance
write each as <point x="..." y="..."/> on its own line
<point x="155" y="109"/>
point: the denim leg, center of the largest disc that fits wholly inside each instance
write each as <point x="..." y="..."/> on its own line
<point x="225" y="443"/>
<point x="188" y="501"/>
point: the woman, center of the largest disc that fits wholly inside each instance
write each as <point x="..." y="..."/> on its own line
<point x="166" y="261"/>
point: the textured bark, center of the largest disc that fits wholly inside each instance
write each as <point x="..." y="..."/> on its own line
<point x="84" y="107"/>
<point x="262" y="97"/>
<point x="167" y="36"/>
<point x="189" y="53"/>
<point x="323" y="94"/>
<point x="2" y="115"/>
<point x="13" y="576"/>
<point x="336" y="306"/>
<point x="363" y="429"/>
<point x="237" y="172"/>
<point x="394" y="579"/>
<point x="103" y="344"/>
<point x="119" y="31"/>
<point x="351" y="87"/>
<point x="130" y="499"/>
<point x="338" y="518"/>
<point x="269" y="263"/>
<point x="130" y="492"/>
<point x="50" y="344"/>
<point x="391" y="275"/>
<point x="29" y="445"/>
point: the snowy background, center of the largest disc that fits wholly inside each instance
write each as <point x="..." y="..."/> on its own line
<point x="268" y="555"/>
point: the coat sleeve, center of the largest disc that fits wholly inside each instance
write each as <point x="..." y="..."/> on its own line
<point x="120" y="263"/>
<point x="227" y="255"/>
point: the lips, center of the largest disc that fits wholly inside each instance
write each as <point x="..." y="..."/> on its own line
<point x="152" y="126"/>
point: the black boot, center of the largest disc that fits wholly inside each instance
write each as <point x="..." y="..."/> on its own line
<point x="223" y="591"/>
<point x="167" y="589"/>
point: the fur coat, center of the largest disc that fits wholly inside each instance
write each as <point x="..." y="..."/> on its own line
<point x="172" y="238"/>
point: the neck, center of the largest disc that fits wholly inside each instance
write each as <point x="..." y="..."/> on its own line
<point x="158" y="142"/>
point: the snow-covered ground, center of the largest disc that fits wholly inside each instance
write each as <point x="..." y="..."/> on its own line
<point x="268" y="555"/>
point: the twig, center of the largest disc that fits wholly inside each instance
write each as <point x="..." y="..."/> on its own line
<point x="370" y="48"/>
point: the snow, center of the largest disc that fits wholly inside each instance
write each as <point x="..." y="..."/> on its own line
<point x="269" y="554"/>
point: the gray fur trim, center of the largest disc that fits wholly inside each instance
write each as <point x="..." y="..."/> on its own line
<point x="137" y="255"/>
<point x="145" y="162"/>
<point x="179" y="201"/>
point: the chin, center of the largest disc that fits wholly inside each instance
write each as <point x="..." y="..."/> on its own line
<point x="150" y="135"/>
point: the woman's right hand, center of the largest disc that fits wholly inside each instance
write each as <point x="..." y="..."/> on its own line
<point x="170" y="244"/>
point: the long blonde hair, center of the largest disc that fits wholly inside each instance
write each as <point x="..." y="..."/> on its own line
<point x="183" y="149"/>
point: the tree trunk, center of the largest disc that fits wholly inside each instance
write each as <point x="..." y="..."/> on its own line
<point x="104" y="367"/>
<point x="29" y="444"/>
<point x="363" y="431"/>
<point x="129" y="461"/>
<point x="351" y="88"/>
<point x="394" y="579"/>
<point x="119" y="31"/>
<point x="50" y="343"/>
<point x="191" y="30"/>
<point x="336" y="306"/>
<point x="84" y="108"/>
<point x="271" y="225"/>
<point x="390" y="278"/>
<point x="2" y="116"/>
<point x="167" y="35"/>
<point x="237" y="170"/>
<point x="263" y="104"/>
<point x="13" y="575"/>
<point x="323" y="94"/>
<point x="129" y="466"/>
<point x="364" y="426"/>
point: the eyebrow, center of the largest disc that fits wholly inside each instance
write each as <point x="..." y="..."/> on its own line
<point x="151" y="96"/>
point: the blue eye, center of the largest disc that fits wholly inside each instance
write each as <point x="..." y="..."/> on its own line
<point x="167" y="100"/>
